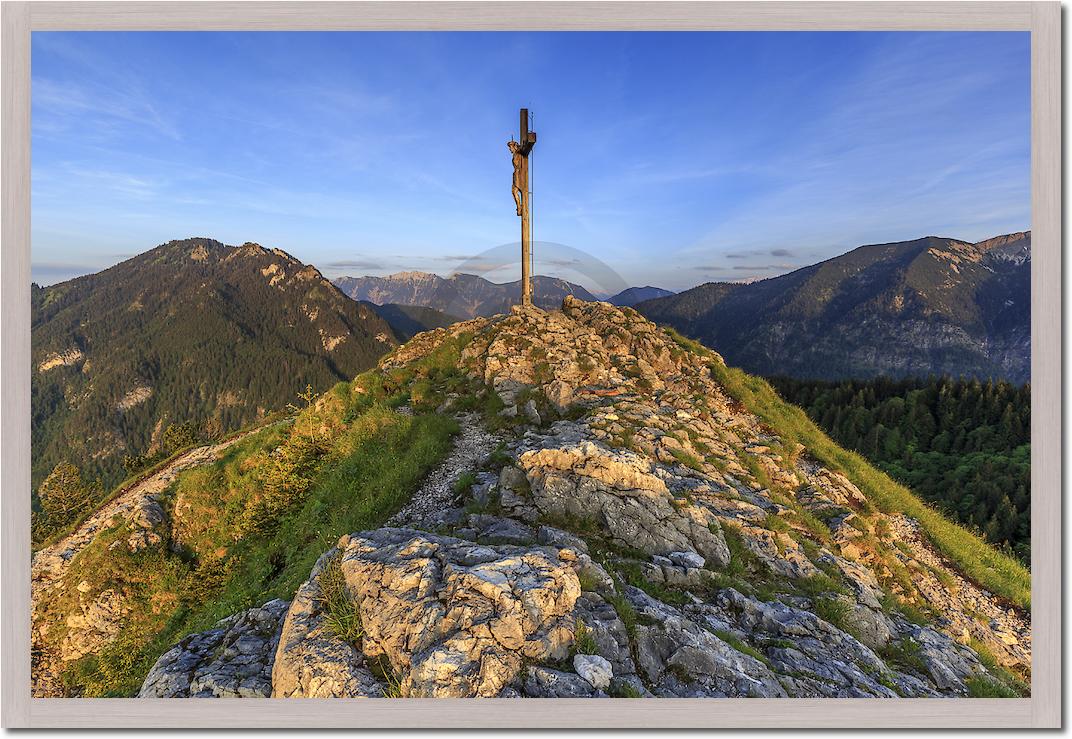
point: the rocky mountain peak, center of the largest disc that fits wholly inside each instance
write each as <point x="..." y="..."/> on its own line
<point x="413" y="276"/>
<point x="929" y="306"/>
<point x="1013" y="248"/>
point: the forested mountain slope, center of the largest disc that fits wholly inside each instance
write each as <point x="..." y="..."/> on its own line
<point x="409" y="320"/>
<point x="192" y="331"/>
<point x="963" y="445"/>
<point x="933" y="306"/>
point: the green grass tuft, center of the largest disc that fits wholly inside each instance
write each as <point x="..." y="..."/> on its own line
<point x="904" y="655"/>
<point x="583" y="641"/>
<point x="625" y="690"/>
<point x="980" y="686"/>
<point x="343" y="614"/>
<point x="734" y="641"/>
<point x="465" y="481"/>
<point x="834" y="611"/>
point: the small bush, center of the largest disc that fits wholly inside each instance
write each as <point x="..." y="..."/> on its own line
<point x="980" y="686"/>
<point x="624" y="690"/>
<point x="465" y="481"/>
<point x="583" y="641"/>
<point x="742" y="560"/>
<point x="904" y="655"/>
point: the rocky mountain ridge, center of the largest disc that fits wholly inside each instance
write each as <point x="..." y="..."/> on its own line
<point x="932" y="306"/>
<point x="190" y="331"/>
<point x="462" y="295"/>
<point x="641" y="529"/>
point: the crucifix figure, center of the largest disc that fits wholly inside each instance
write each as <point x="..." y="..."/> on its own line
<point x="519" y="152"/>
<point x="519" y="172"/>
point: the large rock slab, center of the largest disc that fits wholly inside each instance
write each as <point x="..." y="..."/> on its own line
<point x="619" y="491"/>
<point x="311" y="660"/>
<point x="680" y="658"/>
<point x="457" y="619"/>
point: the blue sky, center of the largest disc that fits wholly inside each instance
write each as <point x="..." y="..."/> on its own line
<point x="675" y="158"/>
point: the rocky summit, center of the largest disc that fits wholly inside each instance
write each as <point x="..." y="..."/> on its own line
<point x="619" y="517"/>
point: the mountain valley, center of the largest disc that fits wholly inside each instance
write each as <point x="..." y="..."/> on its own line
<point x="462" y="295"/>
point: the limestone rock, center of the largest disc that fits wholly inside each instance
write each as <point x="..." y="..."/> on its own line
<point x="544" y="682"/>
<point x="96" y="624"/>
<point x="595" y="669"/>
<point x="312" y="661"/>
<point x="687" y="559"/>
<point x="607" y="631"/>
<point x="496" y="530"/>
<point x="454" y="618"/>
<point x="232" y="660"/>
<point x="630" y="460"/>
<point x="619" y="490"/>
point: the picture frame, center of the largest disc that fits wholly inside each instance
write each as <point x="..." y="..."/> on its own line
<point x="1042" y="19"/>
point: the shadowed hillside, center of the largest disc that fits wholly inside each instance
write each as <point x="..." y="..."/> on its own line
<point x="192" y="334"/>
<point x="932" y="306"/>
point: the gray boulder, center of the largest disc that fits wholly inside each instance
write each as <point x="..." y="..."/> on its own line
<point x="232" y="660"/>
<point x="593" y="668"/>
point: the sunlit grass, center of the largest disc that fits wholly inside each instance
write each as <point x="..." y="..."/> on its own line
<point x="972" y="556"/>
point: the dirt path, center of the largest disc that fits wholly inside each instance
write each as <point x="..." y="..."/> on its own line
<point x="51" y="563"/>
<point x="471" y="447"/>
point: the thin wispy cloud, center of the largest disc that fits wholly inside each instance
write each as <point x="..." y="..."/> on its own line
<point x="73" y="103"/>
<point x="355" y="263"/>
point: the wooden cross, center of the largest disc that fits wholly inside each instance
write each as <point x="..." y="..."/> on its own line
<point x="527" y="139"/>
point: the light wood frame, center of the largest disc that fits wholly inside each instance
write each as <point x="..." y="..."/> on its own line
<point x="1042" y="19"/>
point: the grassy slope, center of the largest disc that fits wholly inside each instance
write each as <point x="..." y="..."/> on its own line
<point x="141" y="475"/>
<point x="344" y="465"/>
<point x="974" y="558"/>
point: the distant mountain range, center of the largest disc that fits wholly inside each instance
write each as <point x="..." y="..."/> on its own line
<point x="195" y="330"/>
<point x="923" y="307"/>
<point x="462" y="295"/>
<point x="192" y="330"/>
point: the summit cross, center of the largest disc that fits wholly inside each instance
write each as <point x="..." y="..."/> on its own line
<point x="519" y="151"/>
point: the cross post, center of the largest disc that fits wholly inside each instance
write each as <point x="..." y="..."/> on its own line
<point x="527" y="139"/>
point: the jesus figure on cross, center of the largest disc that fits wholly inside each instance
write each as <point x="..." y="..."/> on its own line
<point x="519" y="175"/>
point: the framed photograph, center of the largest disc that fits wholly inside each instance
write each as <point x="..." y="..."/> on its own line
<point x="510" y="364"/>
